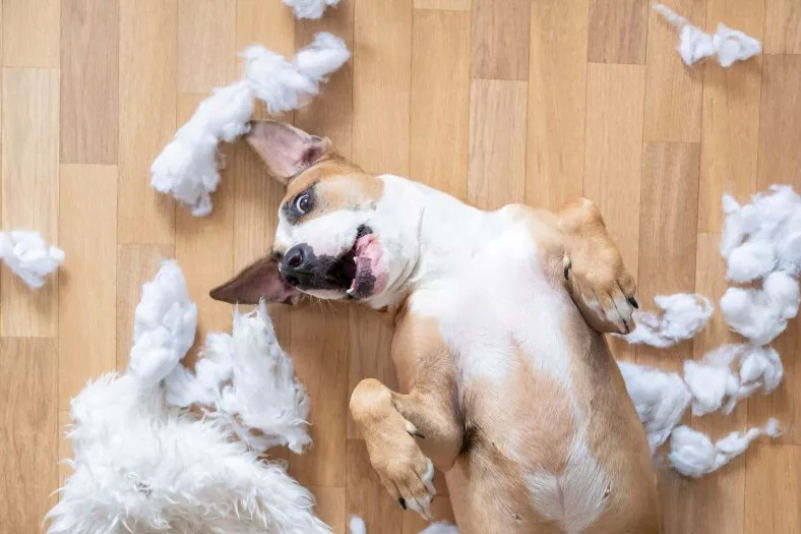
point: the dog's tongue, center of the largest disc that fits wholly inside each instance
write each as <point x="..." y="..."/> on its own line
<point x="368" y="253"/>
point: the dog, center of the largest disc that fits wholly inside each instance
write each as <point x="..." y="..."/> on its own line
<point x="509" y="385"/>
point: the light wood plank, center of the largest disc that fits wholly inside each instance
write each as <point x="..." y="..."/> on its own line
<point x="497" y="161"/>
<point x="330" y="507"/>
<point x="730" y="120"/>
<point x="773" y="489"/>
<point x="440" y="100"/>
<point x="267" y="23"/>
<point x="614" y="149"/>
<point x="147" y="117"/>
<point x="367" y="497"/>
<point x="618" y="31"/>
<point x="204" y="247"/>
<point x="673" y="92"/>
<point x="331" y="112"/>
<point x="381" y="86"/>
<point x="780" y="122"/>
<point x="445" y="5"/>
<point x="87" y="284"/>
<point x="89" y="81"/>
<point x="782" y="27"/>
<point x="136" y="264"/>
<point x="28" y="432"/>
<point x="206" y="44"/>
<point x="30" y="192"/>
<point x="31" y="33"/>
<point x="557" y="86"/>
<point x="320" y="353"/>
<point x="714" y="503"/>
<point x="500" y="39"/>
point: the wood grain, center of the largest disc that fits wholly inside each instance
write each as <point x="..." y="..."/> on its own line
<point x="31" y="33"/>
<point x="618" y="31"/>
<point x="446" y="5"/>
<point x="440" y="105"/>
<point x="497" y="159"/>
<point x="782" y="27"/>
<point x="267" y="23"/>
<point x="87" y="283"/>
<point x="557" y="86"/>
<point x="773" y="489"/>
<point x="730" y="119"/>
<point x="780" y="122"/>
<point x="147" y="117"/>
<point x="500" y="39"/>
<point x="614" y="150"/>
<point x="381" y="85"/>
<point x="89" y="81"/>
<point x="206" y="44"/>
<point x="28" y="431"/>
<point x="673" y="92"/>
<point x="30" y="192"/>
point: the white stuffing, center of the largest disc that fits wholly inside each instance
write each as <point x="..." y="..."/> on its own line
<point x="713" y="380"/>
<point x="357" y="526"/>
<point x="727" y="45"/>
<point x="660" y="399"/>
<point x="29" y="256"/>
<point x="683" y="316"/>
<point x="693" y="454"/>
<point x="250" y="381"/>
<point x="309" y="9"/>
<point x="762" y="241"/>
<point x="188" y="167"/>
<point x="142" y="466"/>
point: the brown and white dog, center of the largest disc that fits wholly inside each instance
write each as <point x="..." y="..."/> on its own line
<point x="510" y="388"/>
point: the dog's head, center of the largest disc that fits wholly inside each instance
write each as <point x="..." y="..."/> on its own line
<point x="340" y="233"/>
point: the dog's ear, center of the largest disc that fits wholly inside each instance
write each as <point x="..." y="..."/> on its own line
<point x="284" y="149"/>
<point x="260" y="280"/>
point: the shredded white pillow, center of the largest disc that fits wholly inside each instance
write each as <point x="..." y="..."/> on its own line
<point x="694" y="455"/>
<point x="357" y="526"/>
<point x="29" y="256"/>
<point x="682" y="316"/>
<point x="188" y="167"/>
<point x="727" y="45"/>
<point x="310" y="9"/>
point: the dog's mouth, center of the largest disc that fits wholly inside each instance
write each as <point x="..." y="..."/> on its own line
<point x="353" y="270"/>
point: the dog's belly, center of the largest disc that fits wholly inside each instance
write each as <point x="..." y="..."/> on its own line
<point x="524" y="364"/>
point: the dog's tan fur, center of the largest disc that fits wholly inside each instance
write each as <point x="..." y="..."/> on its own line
<point x="403" y="430"/>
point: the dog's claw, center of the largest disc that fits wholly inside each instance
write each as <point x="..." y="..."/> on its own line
<point x="633" y="302"/>
<point x="402" y="503"/>
<point x="417" y="433"/>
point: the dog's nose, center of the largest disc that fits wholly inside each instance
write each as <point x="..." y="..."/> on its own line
<point x="296" y="264"/>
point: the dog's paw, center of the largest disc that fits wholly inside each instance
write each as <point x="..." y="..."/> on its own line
<point x="402" y="467"/>
<point x="601" y="285"/>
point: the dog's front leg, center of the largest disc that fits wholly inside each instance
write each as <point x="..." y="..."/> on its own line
<point x="407" y="435"/>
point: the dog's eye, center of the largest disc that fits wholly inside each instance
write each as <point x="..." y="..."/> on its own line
<point x="303" y="204"/>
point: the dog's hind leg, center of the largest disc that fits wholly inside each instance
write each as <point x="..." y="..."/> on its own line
<point x="598" y="281"/>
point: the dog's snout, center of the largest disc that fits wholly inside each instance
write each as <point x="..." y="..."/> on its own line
<point x="296" y="265"/>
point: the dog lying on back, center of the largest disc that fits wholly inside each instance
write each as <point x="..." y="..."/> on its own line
<point x="508" y="384"/>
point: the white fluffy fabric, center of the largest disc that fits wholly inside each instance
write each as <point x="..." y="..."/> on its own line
<point x="715" y="385"/>
<point x="727" y="45"/>
<point x="357" y="526"/>
<point x="142" y="466"/>
<point x="250" y="382"/>
<point x="29" y="256"/>
<point x="188" y="167"/>
<point x="693" y="454"/>
<point x="761" y="241"/>
<point x="682" y="316"/>
<point x="660" y="399"/>
<point x="310" y="9"/>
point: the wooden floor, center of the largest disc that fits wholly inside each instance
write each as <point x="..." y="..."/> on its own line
<point x="495" y="101"/>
